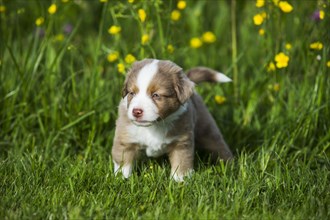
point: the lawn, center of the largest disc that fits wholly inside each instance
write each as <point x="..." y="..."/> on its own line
<point x="62" y="65"/>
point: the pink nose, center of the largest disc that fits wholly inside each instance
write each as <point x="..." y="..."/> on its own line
<point x="137" y="112"/>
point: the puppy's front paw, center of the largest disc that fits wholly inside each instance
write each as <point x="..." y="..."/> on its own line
<point x="126" y="170"/>
<point x="180" y="177"/>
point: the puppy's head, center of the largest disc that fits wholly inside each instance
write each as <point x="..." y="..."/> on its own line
<point x="155" y="89"/>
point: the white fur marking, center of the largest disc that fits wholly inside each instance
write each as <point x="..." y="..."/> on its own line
<point x="142" y="100"/>
<point x="222" y="78"/>
<point x="154" y="138"/>
<point x="146" y="74"/>
<point x="116" y="167"/>
<point x="125" y="170"/>
<point x="180" y="177"/>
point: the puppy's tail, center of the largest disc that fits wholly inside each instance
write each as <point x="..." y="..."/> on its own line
<point x="204" y="74"/>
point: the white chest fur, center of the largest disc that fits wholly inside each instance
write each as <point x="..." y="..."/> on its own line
<point x="153" y="139"/>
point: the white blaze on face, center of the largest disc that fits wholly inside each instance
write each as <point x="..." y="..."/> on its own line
<point x="142" y="100"/>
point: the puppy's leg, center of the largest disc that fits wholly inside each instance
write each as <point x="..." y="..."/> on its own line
<point x="207" y="133"/>
<point x="181" y="157"/>
<point x="123" y="157"/>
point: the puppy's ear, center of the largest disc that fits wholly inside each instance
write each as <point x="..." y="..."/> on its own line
<point x="184" y="87"/>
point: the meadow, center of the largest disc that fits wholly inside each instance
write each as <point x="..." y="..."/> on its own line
<point x="62" y="65"/>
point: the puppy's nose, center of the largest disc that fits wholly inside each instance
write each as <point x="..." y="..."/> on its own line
<point x="137" y="112"/>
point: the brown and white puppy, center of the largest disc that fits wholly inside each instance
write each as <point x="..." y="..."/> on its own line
<point x="160" y="113"/>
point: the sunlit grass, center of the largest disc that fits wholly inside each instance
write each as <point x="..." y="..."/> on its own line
<point x="62" y="65"/>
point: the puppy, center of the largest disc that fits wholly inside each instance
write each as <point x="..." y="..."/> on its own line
<point x="160" y="113"/>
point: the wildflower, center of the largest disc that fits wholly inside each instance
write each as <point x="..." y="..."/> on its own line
<point x="144" y="39"/>
<point x="121" y="68"/>
<point x="59" y="37"/>
<point x="195" y="42"/>
<point x="181" y="4"/>
<point x="321" y="14"/>
<point x="271" y="67"/>
<point x="258" y="19"/>
<point x="276" y="87"/>
<point x="129" y="59"/>
<point x="276" y="2"/>
<point x="316" y="46"/>
<point x="68" y="28"/>
<point x="208" y="37"/>
<point x="175" y="15"/>
<point x="130" y="1"/>
<point x="52" y="9"/>
<point x="113" y="56"/>
<point x="2" y="8"/>
<point x="288" y="46"/>
<point x="142" y="15"/>
<point x="40" y="21"/>
<point x="103" y="1"/>
<point x="220" y="99"/>
<point x="170" y="48"/>
<point x="318" y="15"/>
<point x="260" y="3"/>
<point x="114" y="30"/>
<point x="328" y="64"/>
<point x="261" y="32"/>
<point x="285" y="6"/>
<point x="281" y="60"/>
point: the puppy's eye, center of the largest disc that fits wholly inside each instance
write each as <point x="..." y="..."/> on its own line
<point x="155" y="96"/>
<point x="131" y="93"/>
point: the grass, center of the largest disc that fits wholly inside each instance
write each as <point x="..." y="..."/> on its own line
<point x="59" y="97"/>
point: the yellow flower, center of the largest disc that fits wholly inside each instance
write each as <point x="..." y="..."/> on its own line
<point x="175" y="15"/>
<point x="261" y="32"/>
<point x="260" y="3"/>
<point x="322" y="14"/>
<point x="144" y="39"/>
<point x="130" y="1"/>
<point x="282" y="60"/>
<point x="181" y="4"/>
<point x="170" y="48"/>
<point x="220" y="99"/>
<point x="103" y="1"/>
<point x="258" y="19"/>
<point x="316" y="46"/>
<point x="195" y="42"/>
<point x="288" y="46"/>
<point x="328" y="64"/>
<point x="276" y="87"/>
<point x="2" y="8"/>
<point x="121" y="68"/>
<point x="271" y="67"/>
<point x="142" y="15"/>
<point x="276" y="2"/>
<point x="40" y="21"/>
<point x="129" y="59"/>
<point x="113" y="56"/>
<point x="285" y="6"/>
<point x="59" y="37"/>
<point x="208" y="37"/>
<point x="52" y="9"/>
<point x="114" y="30"/>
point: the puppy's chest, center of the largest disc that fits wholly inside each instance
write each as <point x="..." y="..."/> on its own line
<point x="152" y="139"/>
